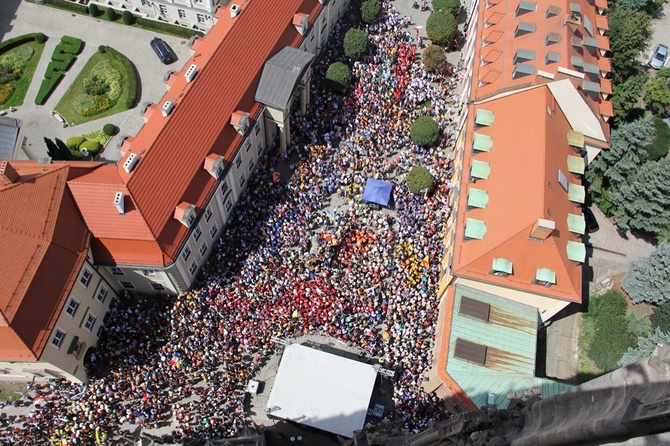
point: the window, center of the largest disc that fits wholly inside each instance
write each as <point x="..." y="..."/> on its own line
<point x="201" y="18"/>
<point x="229" y="204"/>
<point x="182" y="13"/>
<point x="251" y="164"/>
<point x="163" y="9"/>
<point x="208" y="213"/>
<point x="238" y="161"/>
<point x="58" y="337"/>
<point x="89" y="321"/>
<point x="185" y="253"/>
<point x="469" y="351"/>
<point x="72" y="307"/>
<point x="257" y="127"/>
<point x="197" y="233"/>
<point x="85" y="277"/>
<point x="212" y="231"/>
<point x="223" y="188"/>
<point x="116" y="271"/>
<point x="157" y="286"/>
<point x="127" y="285"/>
<point x="193" y="267"/>
<point x="146" y="3"/>
<point x="260" y="148"/>
<point x="203" y="249"/>
<point x="101" y="295"/>
<point x="474" y="309"/>
<point x="242" y="180"/>
<point x="247" y="145"/>
<point x="101" y="330"/>
<point x="148" y="273"/>
<point x="563" y="180"/>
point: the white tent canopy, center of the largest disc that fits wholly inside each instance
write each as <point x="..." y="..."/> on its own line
<point x="322" y="390"/>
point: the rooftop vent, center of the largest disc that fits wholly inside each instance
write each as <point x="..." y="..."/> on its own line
<point x="130" y="162"/>
<point x="166" y="109"/>
<point x="542" y="229"/>
<point x="191" y="72"/>
<point x="7" y="172"/>
<point x="185" y="213"/>
<point x="214" y="164"/>
<point x="234" y="10"/>
<point x="118" y="202"/>
<point x="240" y="120"/>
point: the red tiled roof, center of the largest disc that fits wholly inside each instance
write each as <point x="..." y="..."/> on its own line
<point x="606" y="109"/>
<point x="601" y="4"/>
<point x="603" y="43"/>
<point x="530" y="146"/>
<point x="605" y="64"/>
<point x="171" y="151"/>
<point x="606" y="86"/>
<point x="42" y="236"/>
<point x="602" y="22"/>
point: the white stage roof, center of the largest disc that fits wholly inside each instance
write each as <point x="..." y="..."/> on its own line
<point x="322" y="390"/>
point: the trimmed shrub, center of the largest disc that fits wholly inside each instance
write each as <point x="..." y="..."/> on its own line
<point x="74" y="142"/>
<point x="16" y="41"/>
<point x="370" y="11"/>
<point x="40" y="38"/>
<point x="93" y="10"/>
<point x="450" y="6"/>
<point x="92" y="146"/>
<point x="47" y="87"/>
<point x="111" y="15"/>
<point x="68" y="6"/>
<point x="338" y="77"/>
<point x="441" y="28"/>
<point x="70" y="45"/>
<point x="127" y="17"/>
<point x="433" y="58"/>
<point x="355" y="44"/>
<point x="425" y="131"/>
<point x="419" y="180"/>
<point x="109" y="129"/>
<point x="102" y="49"/>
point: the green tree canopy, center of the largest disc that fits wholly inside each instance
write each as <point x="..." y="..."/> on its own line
<point x="629" y="5"/>
<point x="449" y="6"/>
<point x="425" y="131"/>
<point x="657" y="92"/>
<point x="645" y="347"/>
<point x="370" y="11"/>
<point x="419" y="180"/>
<point x="356" y="43"/>
<point x="629" y="33"/>
<point x="441" y="28"/>
<point x="338" y="77"/>
<point x="648" y="278"/>
<point x="626" y="95"/>
<point x="433" y="58"/>
<point x="661" y="143"/>
<point x="661" y="317"/>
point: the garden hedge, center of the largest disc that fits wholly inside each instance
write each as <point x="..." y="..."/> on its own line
<point x="68" y="6"/>
<point x="92" y="146"/>
<point x="69" y="45"/>
<point x="131" y="81"/>
<point x="12" y="43"/>
<point x="47" y="86"/>
<point x="73" y="142"/>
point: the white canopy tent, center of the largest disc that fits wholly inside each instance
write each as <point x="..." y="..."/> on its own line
<point x="321" y="390"/>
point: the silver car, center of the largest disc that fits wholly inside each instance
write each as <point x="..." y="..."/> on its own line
<point x="659" y="56"/>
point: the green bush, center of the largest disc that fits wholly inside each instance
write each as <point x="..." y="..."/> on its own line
<point x="425" y="131"/>
<point x="449" y="6"/>
<point x="355" y="44"/>
<point x="610" y="302"/>
<point x="111" y="15"/>
<point x="661" y="317"/>
<point x="68" y="6"/>
<point x="419" y="180"/>
<point x="127" y="17"/>
<point x="659" y="146"/>
<point x="441" y="28"/>
<point x="93" y="10"/>
<point x="12" y="43"/>
<point x="74" y="142"/>
<point x="92" y="146"/>
<point x="70" y="45"/>
<point x="370" y="11"/>
<point x="47" y="87"/>
<point x="338" y="77"/>
<point x="433" y="58"/>
<point x="40" y="38"/>
<point x="109" y="129"/>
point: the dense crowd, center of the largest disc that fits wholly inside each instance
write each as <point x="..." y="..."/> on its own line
<point x="303" y="256"/>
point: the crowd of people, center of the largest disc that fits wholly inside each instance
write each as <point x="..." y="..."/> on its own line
<point x="302" y="256"/>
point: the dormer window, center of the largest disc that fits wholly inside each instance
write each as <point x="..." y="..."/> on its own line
<point x="501" y="267"/>
<point x="545" y="277"/>
<point x="214" y="165"/>
<point x="240" y="121"/>
<point x="185" y="213"/>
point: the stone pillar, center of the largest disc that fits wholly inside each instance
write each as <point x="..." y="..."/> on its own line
<point x="303" y="100"/>
<point x="284" y="134"/>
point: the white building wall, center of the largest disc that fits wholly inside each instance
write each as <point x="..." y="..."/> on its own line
<point x="188" y="13"/>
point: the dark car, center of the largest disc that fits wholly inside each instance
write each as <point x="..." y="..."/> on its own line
<point x="163" y="50"/>
<point x="591" y="222"/>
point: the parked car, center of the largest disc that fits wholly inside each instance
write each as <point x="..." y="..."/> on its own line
<point x="591" y="222"/>
<point x="163" y="50"/>
<point x="61" y="120"/>
<point x="659" y="56"/>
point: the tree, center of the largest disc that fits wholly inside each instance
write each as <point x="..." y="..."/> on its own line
<point x="93" y="10"/>
<point x="648" y="278"/>
<point x="425" y="131"/>
<point x="109" y="129"/>
<point x="441" y="28"/>
<point x="127" y="17"/>
<point x="64" y="151"/>
<point x="657" y="92"/>
<point x="370" y="11"/>
<point x="661" y="317"/>
<point x="110" y="14"/>
<point x="645" y="347"/>
<point x="642" y="202"/>
<point x="433" y="58"/>
<point x="629" y="5"/>
<point x="626" y="94"/>
<point x="355" y="44"/>
<point x="419" y="180"/>
<point x="449" y="6"/>
<point x="91" y="146"/>
<point x="52" y="150"/>
<point x="73" y="142"/>
<point x="629" y="33"/>
<point x="338" y="77"/>
<point x="661" y="143"/>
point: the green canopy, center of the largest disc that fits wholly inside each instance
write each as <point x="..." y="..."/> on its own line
<point x="576" y="224"/>
<point x="478" y="198"/>
<point x="484" y="117"/>
<point x="475" y="228"/>
<point x="480" y="169"/>
<point x="576" y="251"/>
<point x="482" y="143"/>
<point x="502" y="265"/>
<point x="545" y="275"/>
<point x="576" y="193"/>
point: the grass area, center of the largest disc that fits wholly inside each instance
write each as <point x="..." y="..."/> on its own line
<point x="65" y="105"/>
<point x="12" y="391"/>
<point x="587" y="367"/>
<point x="21" y="85"/>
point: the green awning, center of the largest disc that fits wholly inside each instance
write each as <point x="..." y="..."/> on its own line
<point x="576" y="139"/>
<point x="576" y="164"/>
<point x="480" y="169"/>
<point x="576" y="193"/>
<point x="475" y="228"/>
<point x="484" y="117"/>
<point x="545" y="275"/>
<point x="576" y="251"/>
<point x="478" y="198"/>
<point x="482" y="143"/>
<point x="576" y="224"/>
<point x="502" y="265"/>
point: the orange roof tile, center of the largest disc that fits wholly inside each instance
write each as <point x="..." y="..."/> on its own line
<point x="605" y="64"/>
<point x="603" y="43"/>
<point x="606" y="109"/>
<point x="602" y="22"/>
<point x="601" y="4"/>
<point x="532" y="144"/>
<point x="606" y="86"/>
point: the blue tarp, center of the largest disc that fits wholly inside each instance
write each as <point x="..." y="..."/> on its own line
<point x="377" y="191"/>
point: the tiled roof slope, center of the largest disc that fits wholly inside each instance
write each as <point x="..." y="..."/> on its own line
<point x="42" y="236"/>
<point x="529" y="147"/>
<point x="171" y="150"/>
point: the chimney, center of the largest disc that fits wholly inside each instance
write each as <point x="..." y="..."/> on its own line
<point x="8" y="173"/>
<point x="166" y="109"/>
<point x="542" y="229"/>
<point x="191" y="72"/>
<point x="118" y="202"/>
<point x="234" y="10"/>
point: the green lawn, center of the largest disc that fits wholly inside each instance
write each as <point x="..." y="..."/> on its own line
<point x="587" y="368"/>
<point x="21" y="85"/>
<point x="65" y="107"/>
